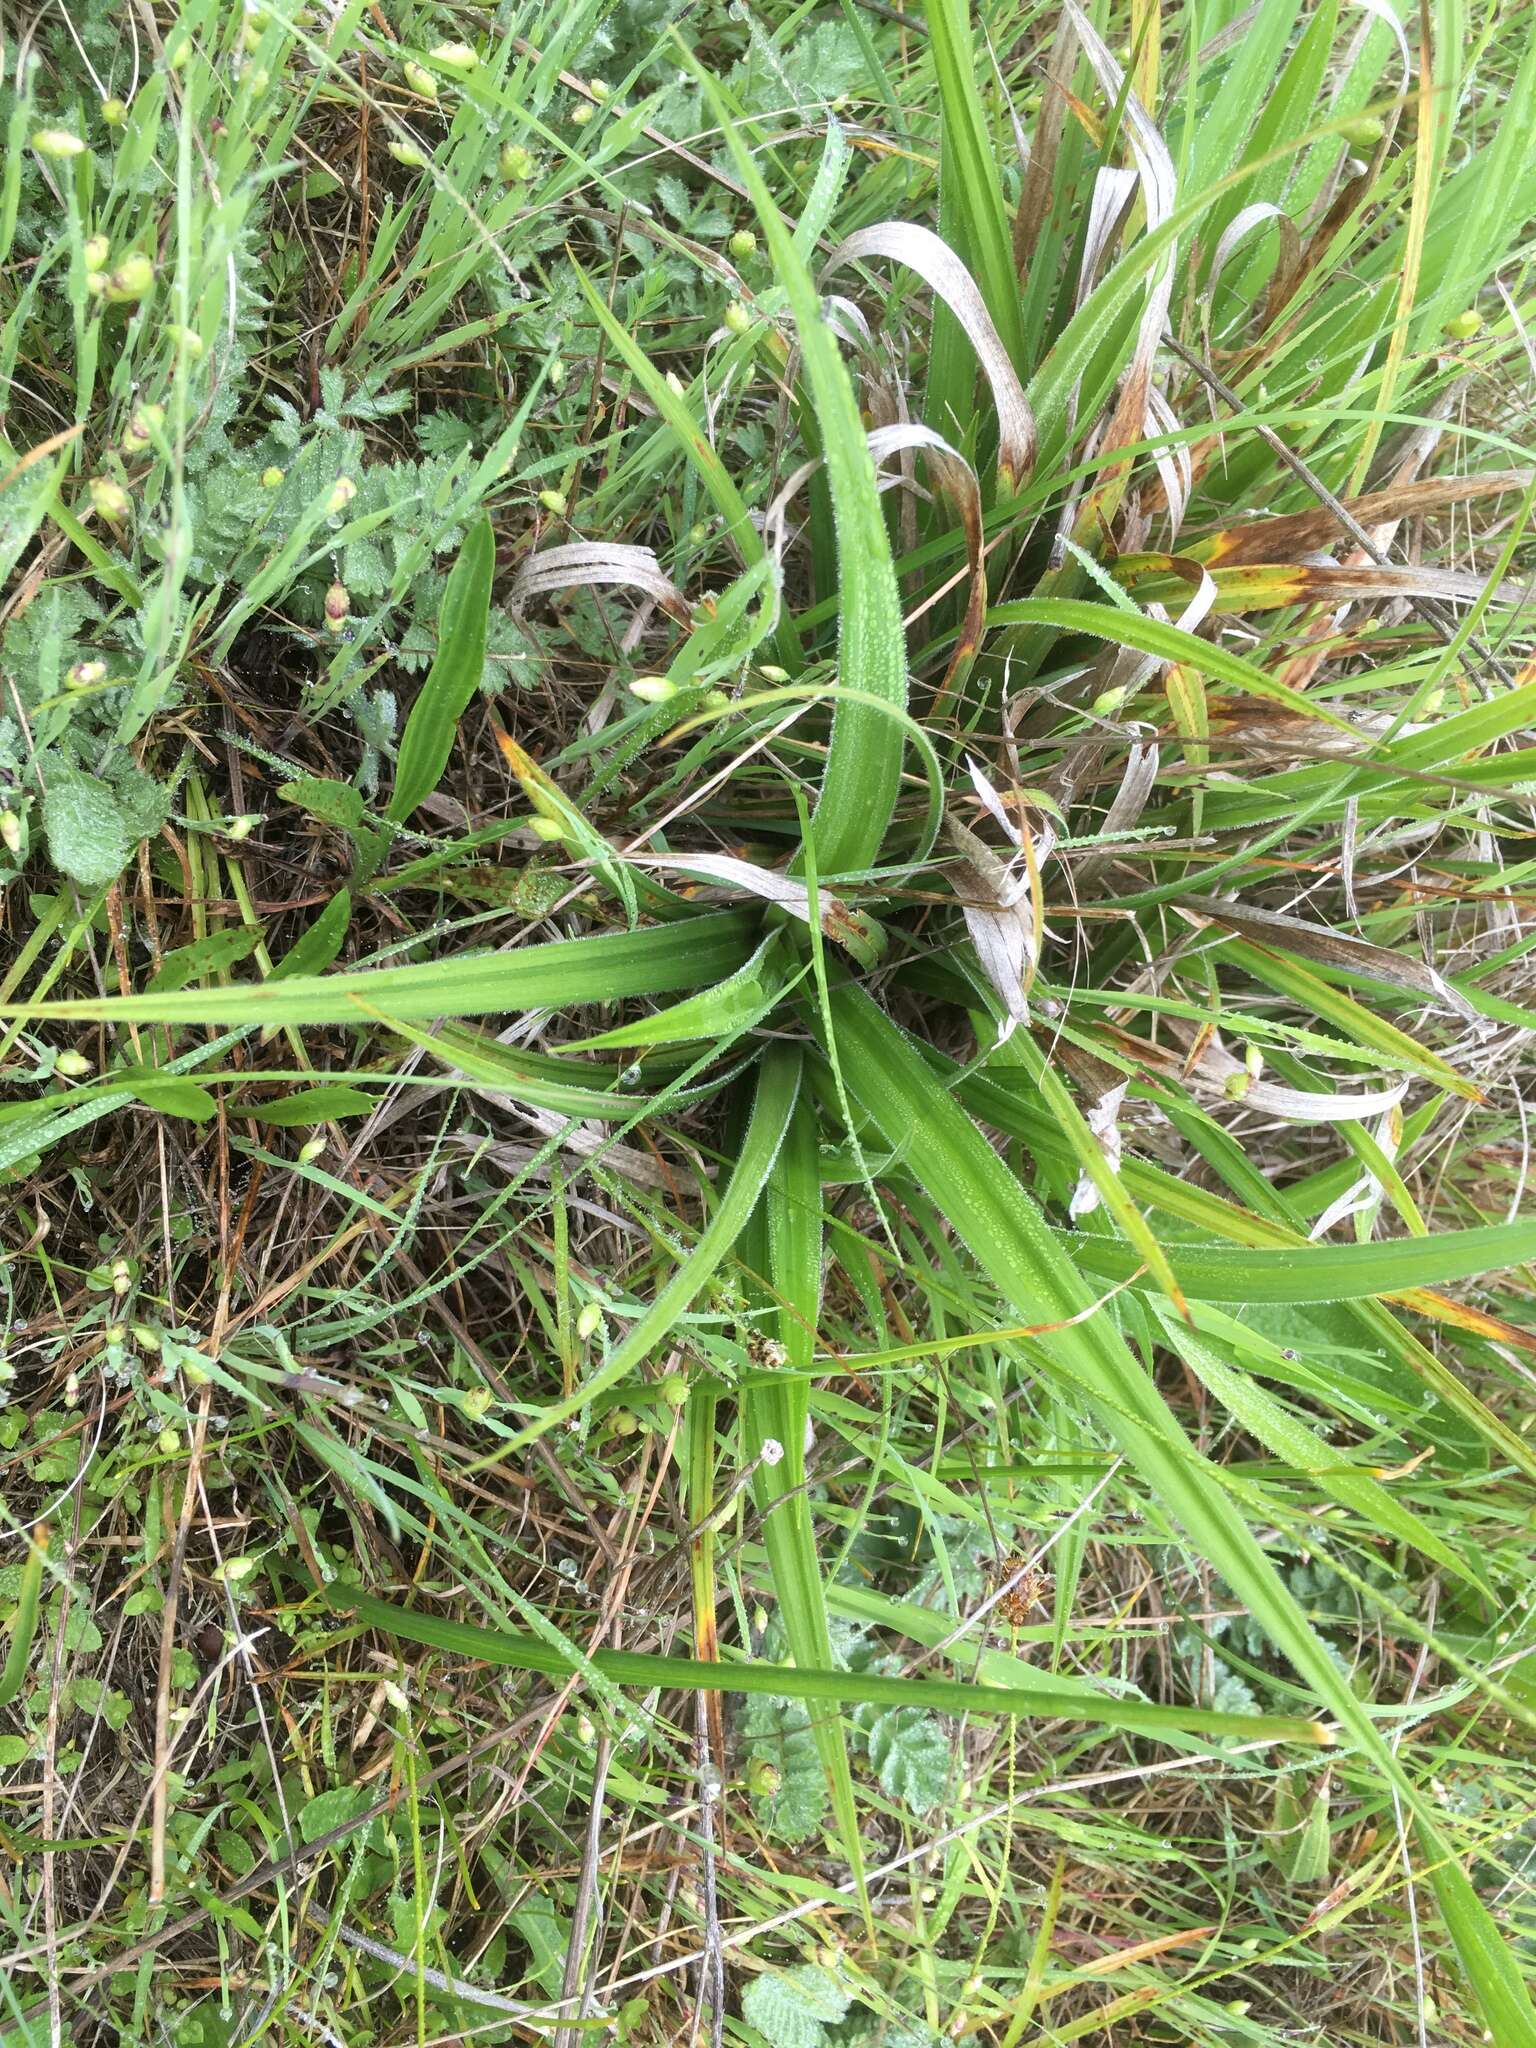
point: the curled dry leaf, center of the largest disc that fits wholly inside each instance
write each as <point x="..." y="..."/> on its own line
<point x="943" y="272"/>
<point x="1159" y="188"/>
<point x="1247" y="222"/>
<point x="1215" y="1075"/>
<point x="842" y="924"/>
<point x="956" y="480"/>
<point x="1274" y="929"/>
<point x="1103" y="1119"/>
<point x="584" y="564"/>
<point x="999" y="910"/>
<point x="1288" y="538"/>
<point x="1270" y="586"/>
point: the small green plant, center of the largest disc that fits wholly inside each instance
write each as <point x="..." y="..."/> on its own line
<point x="754" y="851"/>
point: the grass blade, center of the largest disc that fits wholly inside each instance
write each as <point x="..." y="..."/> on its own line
<point x="564" y="973"/>
<point x="508" y="1647"/>
<point x="859" y="784"/>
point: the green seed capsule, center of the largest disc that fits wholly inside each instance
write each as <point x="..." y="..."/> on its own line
<point x="420" y="80"/>
<point x="1362" y="131"/>
<point x="114" y="113"/>
<point x="272" y="477"/>
<point x="764" y="1778"/>
<point x="408" y="154"/>
<point x="97" y="252"/>
<point x="57" y="143"/>
<point x="517" y="164"/>
<point x="132" y="278"/>
<point x="338" y="608"/>
<point x="145" y="423"/>
<point x="1465" y="325"/>
<point x="456" y="57"/>
<point x="737" y="319"/>
<point x="742" y="243"/>
<point x="555" y="502"/>
<point x="109" y="500"/>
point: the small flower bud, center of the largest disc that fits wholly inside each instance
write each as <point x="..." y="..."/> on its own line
<point x="737" y="319"/>
<point x="10" y="834"/>
<point x="84" y="675"/>
<point x="109" y="500"/>
<point x="242" y="827"/>
<point x="122" y="1276"/>
<point x="653" y="689"/>
<point x="555" y="374"/>
<point x="742" y="243"/>
<point x="1253" y="1061"/>
<point x="114" y="113"/>
<point x="763" y="1778"/>
<point x="676" y="385"/>
<point x="1108" y="702"/>
<point x="770" y="674"/>
<point x="420" y="80"/>
<point x="759" y="1618"/>
<point x="72" y="1065"/>
<point x="72" y="1390"/>
<point x="132" y="278"/>
<point x="338" y="607"/>
<point x="57" y="142"/>
<point x="168" y="1442"/>
<point x="186" y="340"/>
<point x="343" y="491"/>
<point x="1236" y="1085"/>
<point x="97" y="252"/>
<point x="1465" y="325"/>
<point x="588" y="1320"/>
<point x="1434" y="703"/>
<point x="555" y="502"/>
<point x="477" y="1402"/>
<point x="547" y="829"/>
<point x="517" y="164"/>
<point x="586" y="1733"/>
<point x="311" y="1150"/>
<point x="456" y="57"/>
<point x="622" y="1422"/>
<point x="717" y="700"/>
<point x="271" y="477"/>
<point x="582" y="113"/>
<point x="673" y="1389"/>
<point x="408" y="154"/>
<point x="599" y="88"/>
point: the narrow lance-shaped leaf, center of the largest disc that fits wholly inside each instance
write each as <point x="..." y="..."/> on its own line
<point x="785" y="1247"/>
<point x="863" y="771"/>
<point x="559" y="975"/>
<point x="454" y="675"/>
<point x="507" y="1647"/>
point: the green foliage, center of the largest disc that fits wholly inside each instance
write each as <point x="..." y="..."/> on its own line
<point x="794" y="2008"/>
<point x="1001" y="1002"/>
